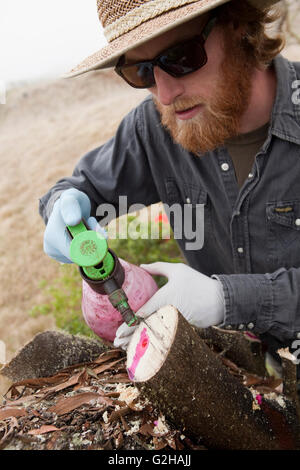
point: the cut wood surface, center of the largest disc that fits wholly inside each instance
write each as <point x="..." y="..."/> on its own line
<point x="179" y="373"/>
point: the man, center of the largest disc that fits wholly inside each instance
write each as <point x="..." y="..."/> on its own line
<point x="221" y="128"/>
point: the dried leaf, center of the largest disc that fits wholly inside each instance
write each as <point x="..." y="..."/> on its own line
<point x="65" y="405"/>
<point x="91" y="373"/>
<point x="118" y="378"/>
<point x="147" y="430"/>
<point x="82" y="380"/>
<point x="112" y="394"/>
<point x="136" y="406"/>
<point x="263" y="389"/>
<point x="159" y="443"/>
<point x="230" y="364"/>
<point x="71" y="381"/>
<point x="43" y="430"/>
<point x="118" y="413"/>
<point x="119" y="441"/>
<point x="40" y="382"/>
<point x="21" y="401"/>
<point x="108" y="445"/>
<point x="125" y="425"/>
<point x="171" y="442"/>
<point x="12" y="412"/>
<point x="253" y="380"/>
<point x="179" y="445"/>
<point x="10" y="427"/>
<point x="106" y="356"/>
<point x="14" y="392"/>
<point x="250" y="380"/>
<point x="104" y="367"/>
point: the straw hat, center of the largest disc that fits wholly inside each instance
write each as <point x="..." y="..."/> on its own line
<point x="130" y="23"/>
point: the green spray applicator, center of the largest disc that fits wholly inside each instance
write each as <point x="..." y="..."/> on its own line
<point x="100" y="268"/>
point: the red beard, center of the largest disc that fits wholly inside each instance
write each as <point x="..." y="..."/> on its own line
<point x="220" y="117"/>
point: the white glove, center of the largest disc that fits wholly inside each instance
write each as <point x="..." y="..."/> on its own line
<point x="199" y="298"/>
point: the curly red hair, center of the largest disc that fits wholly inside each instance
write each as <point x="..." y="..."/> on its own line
<point x="255" y="41"/>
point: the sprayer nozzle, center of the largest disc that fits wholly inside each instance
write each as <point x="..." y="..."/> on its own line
<point x="119" y="300"/>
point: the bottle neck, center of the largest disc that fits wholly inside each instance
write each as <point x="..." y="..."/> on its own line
<point x="117" y="276"/>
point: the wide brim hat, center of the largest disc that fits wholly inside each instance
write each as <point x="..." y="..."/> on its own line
<point x="128" y="24"/>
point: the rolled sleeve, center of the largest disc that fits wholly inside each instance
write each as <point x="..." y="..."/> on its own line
<point x="262" y="302"/>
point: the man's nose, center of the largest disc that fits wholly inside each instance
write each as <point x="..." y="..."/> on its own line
<point x="168" y="88"/>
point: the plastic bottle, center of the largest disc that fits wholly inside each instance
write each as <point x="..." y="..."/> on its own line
<point x="112" y="289"/>
<point x="99" y="313"/>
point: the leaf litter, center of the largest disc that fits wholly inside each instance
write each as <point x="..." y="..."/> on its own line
<point x="95" y="406"/>
<point x="89" y="406"/>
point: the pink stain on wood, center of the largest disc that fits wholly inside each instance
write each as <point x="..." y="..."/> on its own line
<point x="141" y="348"/>
<point x="258" y="399"/>
<point x="251" y="335"/>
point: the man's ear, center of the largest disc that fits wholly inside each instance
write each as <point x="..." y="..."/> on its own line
<point x="237" y="30"/>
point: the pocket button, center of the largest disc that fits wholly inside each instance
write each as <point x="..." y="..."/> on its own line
<point x="225" y="166"/>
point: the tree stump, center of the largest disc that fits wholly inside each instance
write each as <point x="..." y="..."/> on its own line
<point x="185" y="379"/>
<point x="50" y="351"/>
<point x="243" y="349"/>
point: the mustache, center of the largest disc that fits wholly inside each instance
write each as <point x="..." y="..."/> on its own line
<point x="182" y="104"/>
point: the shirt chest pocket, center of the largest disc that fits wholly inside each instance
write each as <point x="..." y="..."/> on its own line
<point x="283" y="231"/>
<point x="189" y="211"/>
<point x="187" y="193"/>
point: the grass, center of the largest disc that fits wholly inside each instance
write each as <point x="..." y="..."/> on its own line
<point x="64" y="293"/>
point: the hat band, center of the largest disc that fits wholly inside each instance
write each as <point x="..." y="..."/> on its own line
<point x="141" y="14"/>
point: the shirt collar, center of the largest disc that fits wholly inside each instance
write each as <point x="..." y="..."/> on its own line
<point x="285" y="120"/>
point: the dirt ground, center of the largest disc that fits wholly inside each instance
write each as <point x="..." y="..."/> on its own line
<point x="45" y="129"/>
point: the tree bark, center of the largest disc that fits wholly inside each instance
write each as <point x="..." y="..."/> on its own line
<point x="50" y="351"/>
<point x="242" y="348"/>
<point x="289" y="372"/>
<point x="184" y="378"/>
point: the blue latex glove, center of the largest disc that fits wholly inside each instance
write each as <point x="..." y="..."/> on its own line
<point x="69" y="209"/>
<point x="199" y="298"/>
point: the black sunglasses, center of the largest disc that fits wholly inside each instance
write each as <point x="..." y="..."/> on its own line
<point x="178" y="61"/>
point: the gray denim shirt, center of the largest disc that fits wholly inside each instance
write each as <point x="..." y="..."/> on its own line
<point x="252" y="234"/>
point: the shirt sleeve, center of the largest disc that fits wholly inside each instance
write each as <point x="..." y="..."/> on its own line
<point x="120" y="167"/>
<point x="263" y="303"/>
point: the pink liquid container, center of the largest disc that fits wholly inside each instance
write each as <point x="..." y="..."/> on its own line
<point x="98" y="312"/>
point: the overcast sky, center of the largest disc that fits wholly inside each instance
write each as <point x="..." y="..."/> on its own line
<point x="45" y="38"/>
